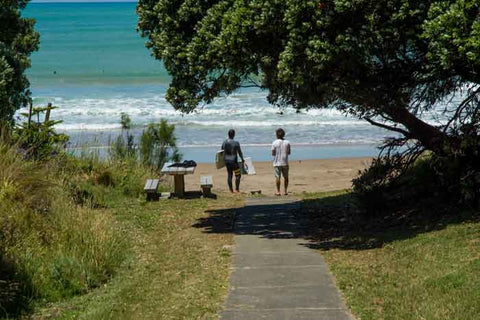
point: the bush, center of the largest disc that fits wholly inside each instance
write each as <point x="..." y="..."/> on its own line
<point x="441" y="180"/>
<point x="39" y="140"/>
<point x="124" y="148"/>
<point x="50" y="246"/>
<point x="158" y="145"/>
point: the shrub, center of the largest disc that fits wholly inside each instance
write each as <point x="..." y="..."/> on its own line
<point x="158" y="145"/>
<point x="50" y="247"/>
<point x="451" y="179"/>
<point x="21" y="181"/>
<point x="124" y="148"/>
<point x="39" y="140"/>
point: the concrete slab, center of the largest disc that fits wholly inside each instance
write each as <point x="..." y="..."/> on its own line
<point x="252" y="243"/>
<point x="274" y="273"/>
<point x="255" y="259"/>
<point x="280" y="276"/>
<point x="286" y="314"/>
<point x="318" y="296"/>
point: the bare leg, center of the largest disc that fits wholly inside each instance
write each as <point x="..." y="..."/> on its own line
<point x="286" y="185"/>
<point x="277" y="181"/>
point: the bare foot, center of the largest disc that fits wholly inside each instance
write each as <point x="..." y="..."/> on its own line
<point x="277" y="194"/>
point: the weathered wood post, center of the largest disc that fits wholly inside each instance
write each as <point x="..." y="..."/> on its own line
<point x="47" y="114"/>
<point x="30" y="108"/>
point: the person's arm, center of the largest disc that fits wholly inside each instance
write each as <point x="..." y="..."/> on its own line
<point x="223" y="145"/>
<point x="240" y="153"/>
<point x="274" y="151"/>
<point x="288" y="148"/>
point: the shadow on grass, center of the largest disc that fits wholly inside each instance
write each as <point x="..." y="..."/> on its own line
<point x="14" y="291"/>
<point x="218" y="221"/>
<point x="338" y="223"/>
<point x="190" y="195"/>
<point x="333" y="222"/>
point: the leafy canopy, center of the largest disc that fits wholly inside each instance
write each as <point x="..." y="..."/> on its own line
<point x="18" y="40"/>
<point x="384" y="60"/>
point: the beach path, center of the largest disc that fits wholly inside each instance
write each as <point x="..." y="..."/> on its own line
<point x="275" y="275"/>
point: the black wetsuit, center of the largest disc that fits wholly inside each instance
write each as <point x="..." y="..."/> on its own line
<point x="232" y="150"/>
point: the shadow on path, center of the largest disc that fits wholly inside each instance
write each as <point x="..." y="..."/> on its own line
<point x="333" y="222"/>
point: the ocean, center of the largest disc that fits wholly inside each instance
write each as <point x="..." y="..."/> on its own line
<point x="93" y="65"/>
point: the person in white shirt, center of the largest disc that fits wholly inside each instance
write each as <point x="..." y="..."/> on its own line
<point x="280" y="152"/>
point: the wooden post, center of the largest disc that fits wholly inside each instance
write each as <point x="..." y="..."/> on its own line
<point x="179" y="185"/>
<point x="30" y="112"/>
<point x="47" y="115"/>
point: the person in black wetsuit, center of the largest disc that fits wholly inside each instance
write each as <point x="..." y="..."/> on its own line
<point x="232" y="151"/>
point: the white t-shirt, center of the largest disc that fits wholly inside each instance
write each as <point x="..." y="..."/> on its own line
<point x="281" y="150"/>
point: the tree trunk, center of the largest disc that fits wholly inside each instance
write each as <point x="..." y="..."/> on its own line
<point x="430" y="136"/>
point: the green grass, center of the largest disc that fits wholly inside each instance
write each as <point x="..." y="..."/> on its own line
<point x="401" y="269"/>
<point x="78" y="240"/>
<point x="176" y="269"/>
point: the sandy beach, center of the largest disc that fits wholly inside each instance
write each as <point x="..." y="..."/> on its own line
<point x="305" y="176"/>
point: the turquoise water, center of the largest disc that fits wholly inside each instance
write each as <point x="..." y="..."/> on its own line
<point x="90" y="44"/>
<point x="93" y="65"/>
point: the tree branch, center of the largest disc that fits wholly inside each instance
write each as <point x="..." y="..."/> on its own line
<point x="249" y="86"/>
<point x="384" y="126"/>
<point x="461" y="107"/>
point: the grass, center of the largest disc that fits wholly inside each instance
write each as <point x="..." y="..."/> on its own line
<point x="404" y="267"/>
<point x="176" y="270"/>
<point x="50" y="249"/>
<point x="78" y="240"/>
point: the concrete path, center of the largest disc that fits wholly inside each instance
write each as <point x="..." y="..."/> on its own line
<point x="274" y="274"/>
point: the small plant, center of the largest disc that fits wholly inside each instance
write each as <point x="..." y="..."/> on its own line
<point x="124" y="146"/>
<point x="39" y="140"/>
<point x="158" y="145"/>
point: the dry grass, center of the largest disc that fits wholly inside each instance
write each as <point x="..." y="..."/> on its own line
<point x="177" y="270"/>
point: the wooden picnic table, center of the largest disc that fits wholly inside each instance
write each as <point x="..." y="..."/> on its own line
<point x="178" y="174"/>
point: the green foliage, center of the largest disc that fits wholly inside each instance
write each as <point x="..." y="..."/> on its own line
<point x="377" y="60"/>
<point x="450" y="179"/>
<point x="383" y="61"/>
<point x="57" y="237"/>
<point x="124" y="147"/>
<point x="158" y="145"/>
<point x="38" y="139"/>
<point x="18" y="40"/>
<point x="125" y="121"/>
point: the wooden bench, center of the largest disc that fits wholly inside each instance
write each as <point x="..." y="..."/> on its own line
<point x="206" y="182"/>
<point x="151" y="187"/>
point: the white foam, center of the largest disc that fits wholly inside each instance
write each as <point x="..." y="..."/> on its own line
<point x="207" y="124"/>
<point x="87" y="126"/>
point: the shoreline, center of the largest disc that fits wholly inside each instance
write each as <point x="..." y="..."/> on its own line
<point x="260" y="153"/>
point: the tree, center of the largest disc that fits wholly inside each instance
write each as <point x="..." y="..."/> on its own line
<point x="18" y="40"/>
<point x="385" y="61"/>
